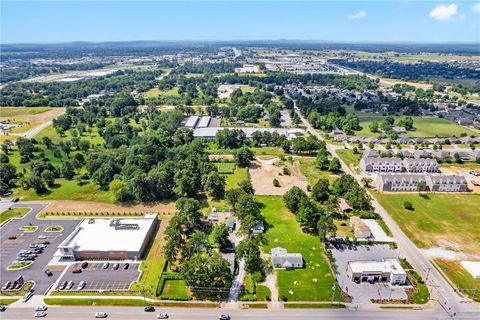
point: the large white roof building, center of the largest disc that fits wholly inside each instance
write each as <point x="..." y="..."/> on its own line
<point x="125" y="238"/>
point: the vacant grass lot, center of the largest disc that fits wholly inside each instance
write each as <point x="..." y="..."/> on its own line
<point x="13" y="213"/>
<point x="93" y="137"/>
<point x="425" y="127"/>
<point x="312" y="173"/>
<point x="7" y="112"/>
<point x="238" y="175"/>
<point x="351" y="159"/>
<point x="225" y="167"/>
<point x="315" y="281"/>
<point x="156" y="92"/>
<point x="460" y="277"/>
<point x="449" y="219"/>
<point x="68" y="190"/>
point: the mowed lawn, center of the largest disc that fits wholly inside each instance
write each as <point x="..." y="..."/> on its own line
<point x="315" y="281"/>
<point x="156" y="92"/>
<point x="234" y="178"/>
<point x="7" y="112"/>
<point x="93" y="137"/>
<point x="425" y="127"/>
<point x="309" y="169"/>
<point x="447" y="218"/>
<point x="13" y="213"/>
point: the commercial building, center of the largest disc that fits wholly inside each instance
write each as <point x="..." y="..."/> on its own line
<point x="386" y="270"/>
<point x="191" y="122"/>
<point x="110" y="239"/>
<point x="210" y="132"/>
<point x="282" y="259"/>
<point x="204" y="122"/>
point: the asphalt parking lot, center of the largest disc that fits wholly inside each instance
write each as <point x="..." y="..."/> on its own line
<point x="363" y="292"/>
<point x="98" y="279"/>
<point x="10" y="248"/>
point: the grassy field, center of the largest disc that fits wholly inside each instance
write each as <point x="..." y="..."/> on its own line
<point x="445" y="218"/>
<point x="13" y="213"/>
<point x="175" y="288"/>
<point x="349" y="157"/>
<point x="434" y="57"/>
<point x="425" y="127"/>
<point x="460" y="277"/>
<point x="315" y="281"/>
<point x="233" y="179"/>
<point x="7" y="112"/>
<point x="7" y="301"/>
<point x="94" y="138"/>
<point x="312" y="173"/>
<point x="225" y="167"/>
<point x="68" y="190"/>
<point x="156" y="92"/>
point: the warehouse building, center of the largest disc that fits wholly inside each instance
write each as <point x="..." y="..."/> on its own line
<point x="191" y="122"/>
<point x="386" y="270"/>
<point x="108" y="239"/>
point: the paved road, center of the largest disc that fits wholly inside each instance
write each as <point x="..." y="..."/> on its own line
<point x="447" y="298"/>
<point x="74" y="313"/>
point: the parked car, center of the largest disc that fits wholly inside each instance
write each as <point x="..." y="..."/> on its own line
<point x="12" y="238"/>
<point x="77" y="270"/>
<point x="81" y="285"/>
<point x="15" y="200"/>
<point x="84" y="265"/>
<point x="125" y="266"/>
<point x="7" y="285"/>
<point x="48" y="273"/>
<point x="62" y="285"/>
<point x="70" y="285"/>
<point x="149" y="309"/>
<point x="105" y="265"/>
<point x="224" y="317"/>
<point x="101" y="315"/>
<point x="45" y="242"/>
<point x="41" y="308"/>
<point x="162" y="316"/>
<point x="33" y="245"/>
<point x="41" y="314"/>
<point x="115" y="266"/>
<point x="2" y="308"/>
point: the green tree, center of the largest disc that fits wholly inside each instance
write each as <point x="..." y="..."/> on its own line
<point x="293" y="197"/>
<point x="38" y="184"/>
<point x="321" y="190"/>
<point x="334" y="166"/>
<point x="214" y="185"/>
<point x="246" y="186"/>
<point x="249" y="250"/>
<point x="206" y="271"/>
<point x="49" y="177"/>
<point x="325" y="226"/>
<point x="243" y="156"/>
<point x="220" y="235"/>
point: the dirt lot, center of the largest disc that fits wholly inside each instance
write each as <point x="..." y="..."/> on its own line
<point x="464" y="172"/>
<point x="30" y="123"/>
<point x="91" y="206"/>
<point x="263" y="172"/>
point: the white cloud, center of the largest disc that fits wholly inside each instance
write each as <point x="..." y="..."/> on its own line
<point x="443" y="12"/>
<point x="476" y="8"/>
<point x="359" y="15"/>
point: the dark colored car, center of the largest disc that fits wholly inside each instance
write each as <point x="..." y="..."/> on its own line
<point x="15" y="200"/>
<point x="46" y="242"/>
<point x="2" y="308"/>
<point x="12" y="238"/>
<point x="48" y="273"/>
<point x="149" y="309"/>
<point x="125" y="266"/>
<point x="84" y="265"/>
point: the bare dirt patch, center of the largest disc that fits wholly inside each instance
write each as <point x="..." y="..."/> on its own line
<point x="263" y="172"/>
<point x="92" y="206"/>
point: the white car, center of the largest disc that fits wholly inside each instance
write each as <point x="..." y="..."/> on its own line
<point x="42" y="237"/>
<point x="41" y="308"/>
<point x="162" y="316"/>
<point x="40" y="314"/>
<point x="101" y="315"/>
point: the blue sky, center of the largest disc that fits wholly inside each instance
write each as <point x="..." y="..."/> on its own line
<point x="358" y="21"/>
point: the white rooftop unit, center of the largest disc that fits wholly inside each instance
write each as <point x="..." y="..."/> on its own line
<point x="204" y="122"/>
<point x="191" y="122"/>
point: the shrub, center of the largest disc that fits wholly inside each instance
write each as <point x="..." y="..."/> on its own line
<point x="276" y="183"/>
<point x="286" y="171"/>
<point x="408" y="205"/>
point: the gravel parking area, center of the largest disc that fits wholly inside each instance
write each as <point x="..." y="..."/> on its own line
<point x="363" y="292"/>
<point x="96" y="278"/>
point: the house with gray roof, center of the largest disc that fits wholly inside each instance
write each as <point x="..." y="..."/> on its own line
<point x="381" y="164"/>
<point x="420" y="165"/>
<point x="281" y="259"/>
<point x="432" y="182"/>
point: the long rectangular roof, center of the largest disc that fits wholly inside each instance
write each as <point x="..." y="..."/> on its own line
<point x="110" y="234"/>
<point x="191" y="122"/>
